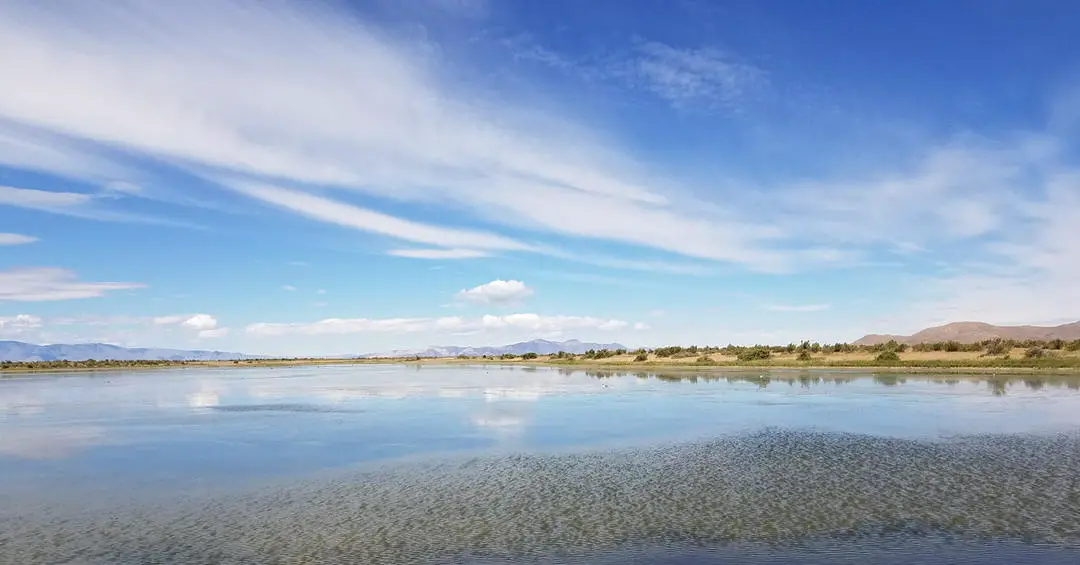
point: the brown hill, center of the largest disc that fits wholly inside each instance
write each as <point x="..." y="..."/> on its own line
<point x="970" y="332"/>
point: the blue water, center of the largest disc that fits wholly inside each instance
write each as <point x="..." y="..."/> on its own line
<point x="92" y="439"/>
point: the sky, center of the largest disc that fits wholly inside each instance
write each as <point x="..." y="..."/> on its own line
<point x="320" y="178"/>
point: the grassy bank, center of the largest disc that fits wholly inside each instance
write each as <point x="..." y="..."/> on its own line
<point x="1016" y="360"/>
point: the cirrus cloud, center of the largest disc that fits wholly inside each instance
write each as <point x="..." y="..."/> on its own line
<point x="16" y="239"/>
<point x="418" y="138"/>
<point x="40" y="284"/>
<point x="437" y="253"/>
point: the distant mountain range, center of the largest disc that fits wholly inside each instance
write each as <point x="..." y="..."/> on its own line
<point x="20" y="351"/>
<point x="538" y="346"/>
<point x="971" y="332"/>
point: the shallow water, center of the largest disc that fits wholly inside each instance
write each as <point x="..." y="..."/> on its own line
<point x="400" y="464"/>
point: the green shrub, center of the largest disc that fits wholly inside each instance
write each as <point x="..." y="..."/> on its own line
<point x="642" y="357"/>
<point x="997" y="347"/>
<point x="756" y="353"/>
<point x="804" y="355"/>
<point x="667" y="351"/>
<point x="887" y="357"/>
<point x="507" y="356"/>
<point x="704" y="359"/>
<point x="529" y="356"/>
<point x="1034" y="353"/>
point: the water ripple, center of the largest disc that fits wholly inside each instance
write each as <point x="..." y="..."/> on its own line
<point x="776" y="496"/>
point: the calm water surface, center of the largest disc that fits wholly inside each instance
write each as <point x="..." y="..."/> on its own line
<point x="402" y="464"/>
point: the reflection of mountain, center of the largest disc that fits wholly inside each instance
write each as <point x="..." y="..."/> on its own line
<point x="20" y="351"/>
<point x="538" y="346"/>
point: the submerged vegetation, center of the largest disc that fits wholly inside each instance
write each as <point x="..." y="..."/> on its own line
<point x="773" y="488"/>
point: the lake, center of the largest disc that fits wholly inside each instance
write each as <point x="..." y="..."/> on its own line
<point x="486" y="464"/>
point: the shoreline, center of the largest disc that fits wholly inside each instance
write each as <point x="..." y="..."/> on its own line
<point x="940" y="366"/>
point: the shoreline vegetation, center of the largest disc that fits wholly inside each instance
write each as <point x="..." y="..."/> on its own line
<point x="989" y="356"/>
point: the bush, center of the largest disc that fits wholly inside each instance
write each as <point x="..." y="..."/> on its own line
<point x="1034" y="353"/>
<point x="704" y="359"/>
<point x="997" y="347"/>
<point x="1073" y="345"/>
<point x="667" y="351"/>
<point x="508" y="356"/>
<point x="642" y="357"/>
<point x="754" y="354"/>
<point x="804" y="355"/>
<point x="887" y="357"/>
<point x="530" y="355"/>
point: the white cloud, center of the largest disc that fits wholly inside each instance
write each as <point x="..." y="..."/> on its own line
<point x="521" y="322"/>
<point x="35" y="151"/>
<point x="195" y="322"/>
<point x="964" y="189"/>
<point x="19" y="325"/>
<point x="438" y="253"/>
<point x="123" y="187"/>
<point x="797" y="307"/>
<point x="321" y="291"/>
<point x="1029" y="277"/>
<point x="642" y="326"/>
<point x="213" y="333"/>
<point x="123" y="330"/>
<point x="331" y="211"/>
<point x="38" y="284"/>
<point x="41" y="199"/>
<point x="686" y="77"/>
<point x="496" y="292"/>
<point x="200" y="322"/>
<point x="321" y="136"/>
<point x="16" y="239"/>
<point x="288" y="288"/>
<point x="415" y="137"/>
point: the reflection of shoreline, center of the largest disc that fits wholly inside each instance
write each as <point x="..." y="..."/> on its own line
<point x="1061" y="366"/>
<point x="512" y="384"/>
<point x="998" y="384"/>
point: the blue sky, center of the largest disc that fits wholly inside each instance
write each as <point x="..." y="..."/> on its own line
<point x="320" y="178"/>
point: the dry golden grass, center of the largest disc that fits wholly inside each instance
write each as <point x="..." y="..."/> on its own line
<point x="912" y="361"/>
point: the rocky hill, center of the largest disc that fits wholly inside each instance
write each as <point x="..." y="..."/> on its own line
<point x="970" y="332"/>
